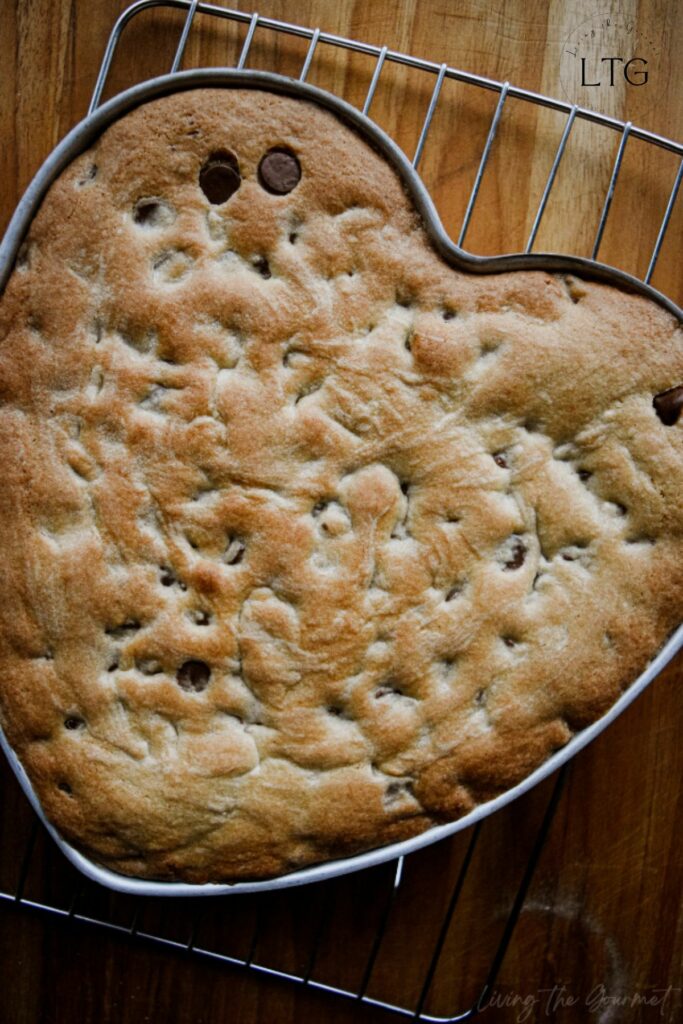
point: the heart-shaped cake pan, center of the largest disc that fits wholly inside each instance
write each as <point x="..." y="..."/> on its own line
<point x="327" y="539"/>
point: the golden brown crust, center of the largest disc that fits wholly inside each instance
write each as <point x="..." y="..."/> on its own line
<point x="419" y="526"/>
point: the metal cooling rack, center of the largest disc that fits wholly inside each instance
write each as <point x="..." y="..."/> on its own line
<point x="368" y="906"/>
<point x="383" y="56"/>
<point x="350" y="919"/>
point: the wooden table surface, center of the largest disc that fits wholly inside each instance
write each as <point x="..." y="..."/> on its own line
<point x="600" y="934"/>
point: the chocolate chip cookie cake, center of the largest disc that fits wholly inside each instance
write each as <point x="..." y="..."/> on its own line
<point x="310" y="540"/>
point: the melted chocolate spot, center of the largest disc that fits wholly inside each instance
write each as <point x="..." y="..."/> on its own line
<point x="193" y="675"/>
<point x="220" y="178"/>
<point x="668" y="405"/>
<point x="516" y="559"/>
<point x="279" y="171"/>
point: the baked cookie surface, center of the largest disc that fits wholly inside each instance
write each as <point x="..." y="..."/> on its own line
<point x="310" y="541"/>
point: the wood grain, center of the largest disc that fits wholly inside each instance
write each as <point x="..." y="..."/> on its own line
<point x="600" y="935"/>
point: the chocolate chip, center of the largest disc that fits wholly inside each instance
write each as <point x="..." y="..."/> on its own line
<point x="219" y="178"/>
<point x="261" y="264"/>
<point x="193" y="675"/>
<point x="279" y="171"/>
<point x="517" y="555"/>
<point x="398" y="789"/>
<point x="146" y="212"/>
<point x="668" y="405"/>
<point x="89" y="175"/>
<point x="151" y="212"/>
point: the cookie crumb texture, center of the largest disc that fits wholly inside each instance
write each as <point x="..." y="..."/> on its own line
<point x="310" y="541"/>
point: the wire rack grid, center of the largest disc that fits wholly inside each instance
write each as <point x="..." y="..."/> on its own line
<point x="371" y="905"/>
<point x="383" y="56"/>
